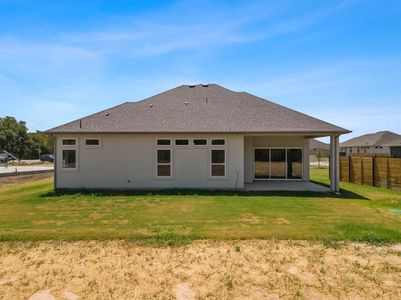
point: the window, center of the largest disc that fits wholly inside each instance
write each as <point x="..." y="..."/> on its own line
<point x="200" y="142"/>
<point x="218" y="142"/>
<point x="262" y="163"/>
<point x="182" y="142"/>
<point x="218" y="160"/>
<point x="294" y="163"/>
<point x="163" y="142"/>
<point x="92" y="142"/>
<point x="277" y="163"/>
<point x="69" y="159"/>
<point x="69" y="142"/>
<point x="164" y="163"/>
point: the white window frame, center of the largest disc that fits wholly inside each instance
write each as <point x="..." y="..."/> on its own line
<point x="64" y="139"/>
<point x="171" y="142"/>
<point x="286" y="161"/>
<point x="218" y="164"/>
<point x="70" y="147"/>
<point x="212" y="139"/>
<point x="207" y="142"/>
<point x="92" y="146"/>
<point x="183" y="138"/>
<point x="164" y="147"/>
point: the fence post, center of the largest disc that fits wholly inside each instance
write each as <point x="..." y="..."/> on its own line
<point x="388" y="174"/>
<point x="373" y="170"/>
<point x="349" y="168"/>
<point x="362" y="171"/>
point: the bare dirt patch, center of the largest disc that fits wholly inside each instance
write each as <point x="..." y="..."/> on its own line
<point x="250" y="218"/>
<point x="19" y="179"/>
<point x="252" y="269"/>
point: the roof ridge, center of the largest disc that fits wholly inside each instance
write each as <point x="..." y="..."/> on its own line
<point x="229" y="111"/>
<point x="161" y="93"/>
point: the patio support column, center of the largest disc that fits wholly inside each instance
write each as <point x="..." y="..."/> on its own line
<point x="334" y="164"/>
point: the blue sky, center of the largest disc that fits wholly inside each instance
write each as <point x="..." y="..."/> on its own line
<point x="337" y="60"/>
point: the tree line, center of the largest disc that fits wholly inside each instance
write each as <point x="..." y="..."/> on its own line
<point x="15" y="138"/>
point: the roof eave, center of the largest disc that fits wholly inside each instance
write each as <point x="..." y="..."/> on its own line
<point x="322" y="133"/>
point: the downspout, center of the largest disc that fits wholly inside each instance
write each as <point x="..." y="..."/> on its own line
<point x="55" y="162"/>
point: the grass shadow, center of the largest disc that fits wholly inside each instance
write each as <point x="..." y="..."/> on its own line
<point x="345" y="194"/>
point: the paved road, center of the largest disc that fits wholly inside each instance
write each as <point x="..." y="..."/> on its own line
<point x="22" y="169"/>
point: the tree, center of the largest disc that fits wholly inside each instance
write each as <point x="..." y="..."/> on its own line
<point x="14" y="136"/>
<point x="40" y="143"/>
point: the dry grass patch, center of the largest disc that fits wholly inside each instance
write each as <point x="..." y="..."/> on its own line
<point x="252" y="269"/>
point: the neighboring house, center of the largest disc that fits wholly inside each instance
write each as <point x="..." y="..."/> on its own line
<point x="192" y="136"/>
<point x="374" y="143"/>
<point x="316" y="146"/>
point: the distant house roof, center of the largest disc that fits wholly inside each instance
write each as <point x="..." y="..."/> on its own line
<point x="315" y="144"/>
<point x="381" y="138"/>
<point x="200" y="108"/>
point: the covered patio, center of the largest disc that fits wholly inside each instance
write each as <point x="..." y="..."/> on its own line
<point x="274" y="162"/>
<point x="299" y="186"/>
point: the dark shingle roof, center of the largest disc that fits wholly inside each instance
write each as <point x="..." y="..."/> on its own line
<point x="381" y="138"/>
<point x="200" y="108"/>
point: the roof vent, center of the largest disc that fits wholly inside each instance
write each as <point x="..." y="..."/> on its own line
<point x="151" y="105"/>
<point x="191" y="86"/>
<point x="186" y="102"/>
<point x="205" y="85"/>
<point x="107" y="114"/>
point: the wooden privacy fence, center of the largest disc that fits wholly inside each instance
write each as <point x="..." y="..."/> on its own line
<point x="371" y="170"/>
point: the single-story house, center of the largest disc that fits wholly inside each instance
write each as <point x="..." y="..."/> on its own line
<point x="316" y="147"/>
<point x="373" y="143"/>
<point x="192" y="136"/>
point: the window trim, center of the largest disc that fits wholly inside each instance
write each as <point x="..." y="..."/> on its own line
<point x="183" y="138"/>
<point x="207" y="142"/>
<point x="69" y="147"/>
<point x="76" y="159"/>
<point x="92" y="146"/>
<point x="157" y="164"/>
<point x="286" y="161"/>
<point x="64" y="139"/>
<point x="157" y="142"/>
<point x="212" y="139"/>
<point x="218" y="164"/>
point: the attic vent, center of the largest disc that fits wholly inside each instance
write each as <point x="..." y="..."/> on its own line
<point x="205" y="85"/>
<point x="191" y="86"/>
<point x="150" y="105"/>
<point x="186" y="102"/>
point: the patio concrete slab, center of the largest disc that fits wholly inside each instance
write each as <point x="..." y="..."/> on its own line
<point x="277" y="185"/>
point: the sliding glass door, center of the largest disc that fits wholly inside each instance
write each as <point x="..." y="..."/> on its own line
<point x="278" y="163"/>
<point x="277" y="170"/>
<point x="294" y="163"/>
<point x="262" y="164"/>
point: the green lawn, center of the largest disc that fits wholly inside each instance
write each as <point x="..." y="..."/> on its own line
<point x="30" y="211"/>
